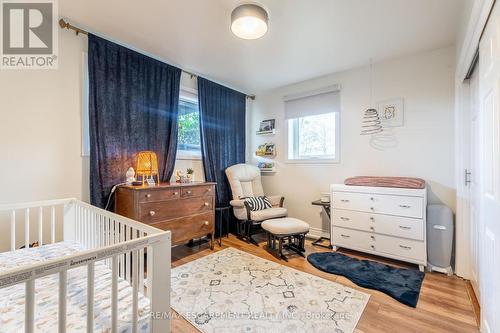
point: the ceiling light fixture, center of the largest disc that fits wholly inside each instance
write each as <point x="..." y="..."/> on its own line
<point x="249" y="21"/>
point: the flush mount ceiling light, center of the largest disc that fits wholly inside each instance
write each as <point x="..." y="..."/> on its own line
<point x="249" y="21"/>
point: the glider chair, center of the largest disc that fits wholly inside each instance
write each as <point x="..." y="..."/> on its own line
<point x="245" y="182"/>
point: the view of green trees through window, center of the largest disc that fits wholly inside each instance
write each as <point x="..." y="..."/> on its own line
<point x="189" y="126"/>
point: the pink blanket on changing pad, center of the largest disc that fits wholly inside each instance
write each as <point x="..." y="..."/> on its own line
<point x="400" y="182"/>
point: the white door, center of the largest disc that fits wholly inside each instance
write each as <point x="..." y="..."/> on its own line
<point x="471" y="177"/>
<point x="489" y="187"/>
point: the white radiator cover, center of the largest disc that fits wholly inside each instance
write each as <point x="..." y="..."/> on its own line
<point x="389" y="222"/>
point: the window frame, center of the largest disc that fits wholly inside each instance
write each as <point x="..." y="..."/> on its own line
<point x="190" y="95"/>
<point x="315" y="160"/>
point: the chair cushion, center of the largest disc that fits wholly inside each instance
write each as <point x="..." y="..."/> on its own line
<point x="269" y="213"/>
<point x="285" y="226"/>
<point x="258" y="203"/>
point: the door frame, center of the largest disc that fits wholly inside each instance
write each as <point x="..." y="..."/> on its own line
<point x="467" y="51"/>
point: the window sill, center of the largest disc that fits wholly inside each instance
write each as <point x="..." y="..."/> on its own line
<point x="186" y="155"/>
<point x="313" y="161"/>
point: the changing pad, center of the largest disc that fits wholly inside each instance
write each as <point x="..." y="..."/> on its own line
<point x="399" y="182"/>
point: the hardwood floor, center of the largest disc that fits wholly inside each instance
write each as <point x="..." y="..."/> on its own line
<point x="444" y="304"/>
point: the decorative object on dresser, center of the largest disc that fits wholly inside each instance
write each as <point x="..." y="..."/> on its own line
<point x="385" y="221"/>
<point x="187" y="210"/>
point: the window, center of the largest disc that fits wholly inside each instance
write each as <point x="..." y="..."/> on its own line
<point x="313" y="127"/>
<point x="189" y="141"/>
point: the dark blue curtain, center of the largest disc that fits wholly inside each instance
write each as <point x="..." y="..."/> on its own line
<point x="222" y="115"/>
<point x="133" y="106"/>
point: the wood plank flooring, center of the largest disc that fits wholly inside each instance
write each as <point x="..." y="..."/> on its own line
<point x="444" y="304"/>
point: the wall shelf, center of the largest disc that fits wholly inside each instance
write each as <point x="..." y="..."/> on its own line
<point x="264" y="133"/>
<point x="268" y="170"/>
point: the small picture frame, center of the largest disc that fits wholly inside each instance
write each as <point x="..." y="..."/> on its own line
<point x="270" y="148"/>
<point x="391" y="112"/>
<point x="267" y="125"/>
<point x="150" y="181"/>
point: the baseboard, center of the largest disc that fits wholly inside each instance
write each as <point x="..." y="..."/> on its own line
<point x="317" y="233"/>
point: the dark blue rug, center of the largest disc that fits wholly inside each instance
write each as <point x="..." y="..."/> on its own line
<point x="399" y="283"/>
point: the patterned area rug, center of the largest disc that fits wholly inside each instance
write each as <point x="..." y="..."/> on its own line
<point x="233" y="291"/>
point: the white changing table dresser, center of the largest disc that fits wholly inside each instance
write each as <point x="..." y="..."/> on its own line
<point x="385" y="221"/>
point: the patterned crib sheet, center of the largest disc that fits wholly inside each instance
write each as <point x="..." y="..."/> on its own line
<point x="12" y="298"/>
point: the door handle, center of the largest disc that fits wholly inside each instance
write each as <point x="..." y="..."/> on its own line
<point x="467" y="177"/>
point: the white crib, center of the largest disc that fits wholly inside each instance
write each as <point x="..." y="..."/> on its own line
<point x="114" y="249"/>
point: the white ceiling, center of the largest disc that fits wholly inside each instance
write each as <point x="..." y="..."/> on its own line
<point x="306" y="38"/>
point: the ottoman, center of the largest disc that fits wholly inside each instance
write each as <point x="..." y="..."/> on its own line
<point x="288" y="232"/>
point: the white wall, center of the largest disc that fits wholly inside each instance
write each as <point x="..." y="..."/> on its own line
<point x="424" y="146"/>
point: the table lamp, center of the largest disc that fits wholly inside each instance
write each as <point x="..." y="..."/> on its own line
<point x="147" y="166"/>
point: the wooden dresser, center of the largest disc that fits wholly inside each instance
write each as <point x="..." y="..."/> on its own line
<point x="389" y="222"/>
<point x="187" y="210"/>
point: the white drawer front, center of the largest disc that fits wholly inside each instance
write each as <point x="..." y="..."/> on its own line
<point x="379" y="203"/>
<point x="352" y="238"/>
<point x="380" y="244"/>
<point x="383" y="224"/>
<point x="402" y="247"/>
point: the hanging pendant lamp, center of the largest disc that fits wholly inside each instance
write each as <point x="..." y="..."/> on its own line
<point x="371" y="123"/>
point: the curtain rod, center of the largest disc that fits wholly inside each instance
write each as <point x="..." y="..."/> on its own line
<point x="66" y="25"/>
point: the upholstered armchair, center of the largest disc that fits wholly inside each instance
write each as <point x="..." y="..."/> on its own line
<point x="245" y="181"/>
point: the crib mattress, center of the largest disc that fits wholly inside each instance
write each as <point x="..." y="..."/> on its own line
<point x="12" y="298"/>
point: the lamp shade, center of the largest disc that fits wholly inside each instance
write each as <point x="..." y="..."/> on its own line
<point x="249" y="21"/>
<point x="147" y="164"/>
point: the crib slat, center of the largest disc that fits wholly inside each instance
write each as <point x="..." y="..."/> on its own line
<point x="114" y="295"/>
<point x="134" y="291"/>
<point x="40" y="226"/>
<point x="90" y="298"/>
<point x="141" y="266"/>
<point x="27" y="228"/>
<point x="13" y="230"/>
<point x="63" y="290"/>
<point x="29" y="307"/>
<point x="53" y="225"/>
<point x="122" y="259"/>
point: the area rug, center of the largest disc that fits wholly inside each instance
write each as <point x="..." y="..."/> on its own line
<point x="233" y="291"/>
<point x="399" y="283"/>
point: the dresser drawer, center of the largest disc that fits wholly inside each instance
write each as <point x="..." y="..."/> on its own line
<point x="158" y="211"/>
<point x="380" y="244"/>
<point x="352" y="238"/>
<point x="186" y="228"/>
<point x="196" y="191"/>
<point x="379" y="203"/>
<point x="383" y="224"/>
<point x="405" y="248"/>
<point x="159" y="195"/>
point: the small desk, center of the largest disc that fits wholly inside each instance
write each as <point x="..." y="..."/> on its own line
<point x="326" y="209"/>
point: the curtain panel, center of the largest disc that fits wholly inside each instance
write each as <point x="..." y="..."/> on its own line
<point x="222" y="115"/>
<point x="133" y="106"/>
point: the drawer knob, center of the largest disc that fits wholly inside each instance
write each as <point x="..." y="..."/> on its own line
<point x="189" y="192"/>
<point x="176" y="193"/>
<point x="372" y="228"/>
<point x="372" y="199"/>
<point x="405" y="247"/>
<point x="148" y="195"/>
<point x="345" y="236"/>
<point x="372" y="237"/>
<point x="372" y="246"/>
<point x="207" y="204"/>
<point x="372" y="208"/>
<point x="404" y="227"/>
<point x="404" y="206"/>
<point x="206" y="223"/>
<point x="152" y="212"/>
<point x="372" y="219"/>
<point x="344" y="218"/>
<point x="209" y="190"/>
